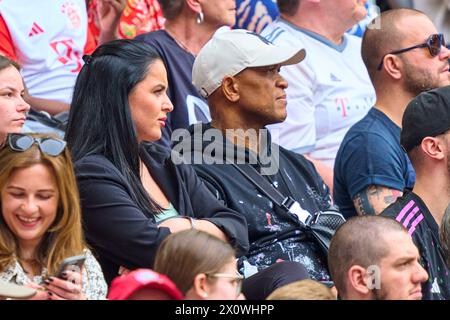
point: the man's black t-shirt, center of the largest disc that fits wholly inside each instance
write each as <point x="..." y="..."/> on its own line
<point x="274" y="235"/>
<point x="414" y="215"/>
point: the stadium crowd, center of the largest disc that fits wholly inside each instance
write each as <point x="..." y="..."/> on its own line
<point x="224" y="150"/>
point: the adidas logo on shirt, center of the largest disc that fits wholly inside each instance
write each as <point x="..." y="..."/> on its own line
<point x="334" y="78"/>
<point x="35" y="30"/>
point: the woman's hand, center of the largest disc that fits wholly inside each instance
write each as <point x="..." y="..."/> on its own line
<point x="176" y="224"/>
<point x="180" y="224"/>
<point x="69" y="288"/>
<point x="41" y="292"/>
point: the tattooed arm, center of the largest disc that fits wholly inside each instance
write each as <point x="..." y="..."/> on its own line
<point x="374" y="199"/>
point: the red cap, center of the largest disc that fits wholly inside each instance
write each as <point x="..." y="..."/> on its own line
<point x="124" y="286"/>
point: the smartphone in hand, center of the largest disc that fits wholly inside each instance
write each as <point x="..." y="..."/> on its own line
<point x="76" y="262"/>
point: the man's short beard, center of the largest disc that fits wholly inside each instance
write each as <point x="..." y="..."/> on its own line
<point x="418" y="81"/>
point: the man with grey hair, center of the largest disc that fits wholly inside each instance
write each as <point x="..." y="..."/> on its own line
<point x="373" y="257"/>
<point x="330" y="90"/>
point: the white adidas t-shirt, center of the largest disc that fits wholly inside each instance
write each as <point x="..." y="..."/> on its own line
<point x="49" y="37"/>
<point x="328" y="92"/>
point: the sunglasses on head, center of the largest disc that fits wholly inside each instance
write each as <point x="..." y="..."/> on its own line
<point x="434" y="44"/>
<point x="22" y="142"/>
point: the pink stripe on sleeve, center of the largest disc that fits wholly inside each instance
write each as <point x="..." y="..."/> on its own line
<point x="414" y="224"/>
<point x="410" y="216"/>
<point x="404" y="210"/>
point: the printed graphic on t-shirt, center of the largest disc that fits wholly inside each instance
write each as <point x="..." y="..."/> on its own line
<point x="198" y="110"/>
<point x="73" y="14"/>
<point x="66" y="53"/>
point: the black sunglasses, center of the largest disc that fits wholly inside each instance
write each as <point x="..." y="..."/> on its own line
<point x="22" y="142"/>
<point x="434" y="44"/>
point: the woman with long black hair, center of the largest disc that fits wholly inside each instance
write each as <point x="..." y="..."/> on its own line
<point x="133" y="195"/>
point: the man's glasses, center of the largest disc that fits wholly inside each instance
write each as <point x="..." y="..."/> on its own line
<point x="22" y="142"/>
<point x="434" y="44"/>
<point x="237" y="278"/>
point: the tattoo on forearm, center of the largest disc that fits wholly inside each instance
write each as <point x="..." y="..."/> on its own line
<point x="363" y="204"/>
<point x="375" y="199"/>
<point x="389" y="199"/>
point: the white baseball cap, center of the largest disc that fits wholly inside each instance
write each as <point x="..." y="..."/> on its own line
<point x="229" y="52"/>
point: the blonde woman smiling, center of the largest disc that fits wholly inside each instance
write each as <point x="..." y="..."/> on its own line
<point x="40" y="223"/>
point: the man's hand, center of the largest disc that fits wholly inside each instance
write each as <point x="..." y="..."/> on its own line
<point x="109" y="13"/>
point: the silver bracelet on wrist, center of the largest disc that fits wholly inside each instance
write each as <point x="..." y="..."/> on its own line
<point x="192" y="221"/>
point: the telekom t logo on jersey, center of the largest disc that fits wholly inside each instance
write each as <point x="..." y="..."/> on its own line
<point x="66" y="53"/>
<point x="342" y="105"/>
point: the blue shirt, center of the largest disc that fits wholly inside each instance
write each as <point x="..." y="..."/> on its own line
<point x="372" y="12"/>
<point x="370" y="154"/>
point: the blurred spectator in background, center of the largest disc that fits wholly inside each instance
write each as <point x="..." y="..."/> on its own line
<point x="139" y="16"/>
<point x="255" y="15"/>
<point x="189" y="25"/>
<point x="372" y="11"/>
<point x="48" y="39"/>
<point x="303" y="290"/>
<point x="40" y="222"/>
<point x="374" y="258"/>
<point x="202" y="266"/>
<point x="13" y="108"/>
<point x="394" y="4"/>
<point x="438" y="11"/>
<point x="444" y="235"/>
<point x="143" y="284"/>
<point x="330" y="90"/>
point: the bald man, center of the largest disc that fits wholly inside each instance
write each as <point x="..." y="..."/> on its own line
<point x="371" y="169"/>
<point x="374" y="258"/>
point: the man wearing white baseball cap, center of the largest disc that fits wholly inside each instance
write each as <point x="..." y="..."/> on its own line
<point x="238" y="72"/>
<point x="230" y="52"/>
